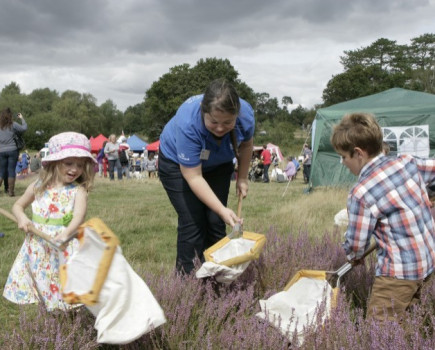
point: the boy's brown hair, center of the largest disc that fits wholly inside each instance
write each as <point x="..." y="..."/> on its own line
<point x="358" y="130"/>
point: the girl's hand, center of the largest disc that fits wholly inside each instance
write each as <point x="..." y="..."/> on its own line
<point x="61" y="237"/>
<point x="24" y="223"/>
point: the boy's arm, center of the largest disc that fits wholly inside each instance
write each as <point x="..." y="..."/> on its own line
<point x="360" y="228"/>
<point x="426" y="167"/>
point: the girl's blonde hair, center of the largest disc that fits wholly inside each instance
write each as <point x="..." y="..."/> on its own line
<point x="50" y="173"/>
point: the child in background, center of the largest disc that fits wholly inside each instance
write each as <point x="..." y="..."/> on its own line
<point x="59" y="200"/>
<point x="290" y="169"/>
<point x="389" y="203"/>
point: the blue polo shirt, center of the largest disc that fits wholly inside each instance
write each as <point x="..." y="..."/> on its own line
<point x="185" y="136"/>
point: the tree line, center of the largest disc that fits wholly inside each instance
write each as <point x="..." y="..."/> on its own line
<point x="380" y="66"/>
<point x="383" y="65"/>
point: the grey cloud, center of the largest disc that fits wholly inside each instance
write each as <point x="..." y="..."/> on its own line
<point x="125" y="45"/>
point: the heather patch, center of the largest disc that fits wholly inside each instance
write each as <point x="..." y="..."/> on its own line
<point x="202" y="314"/>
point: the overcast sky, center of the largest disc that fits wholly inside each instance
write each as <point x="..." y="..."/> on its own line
<point x="115" y="49"/>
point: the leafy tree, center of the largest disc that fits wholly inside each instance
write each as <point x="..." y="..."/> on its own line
<point x="357" y="82"/>
<point x="112" y="119"/>
<point x="43" y="99"/>
<point x="298" y="116"/>
<point x="383" y="53"/>
<point x="40" y="128"/>
<point x="172" y="89"/>
<point x="422" y="60"/>
<point x="12" y="89"/>
<point x="134" y="119"/>
<point x="286" y="100"/>
<point x="383" y="65"/>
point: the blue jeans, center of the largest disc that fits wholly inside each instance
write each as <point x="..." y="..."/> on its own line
<point x="112" y="164"/>
<point x="198" y="226"/>
<point x="266" y="173"/>
<point x="8" y="163"/>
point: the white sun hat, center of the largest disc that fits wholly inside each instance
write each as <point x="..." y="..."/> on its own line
<point x="68" y="144"/>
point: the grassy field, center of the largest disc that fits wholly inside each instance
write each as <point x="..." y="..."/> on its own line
<point x="139" y="212"/>
<point x="201" y="314"/>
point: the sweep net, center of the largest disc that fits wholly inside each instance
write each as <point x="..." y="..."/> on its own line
<point x="297" y="307"/>
<point x="228" y="259"/>
<point x="99" y="276"/>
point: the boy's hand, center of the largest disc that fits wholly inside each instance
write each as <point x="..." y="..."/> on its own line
<point x="356" y="262"/>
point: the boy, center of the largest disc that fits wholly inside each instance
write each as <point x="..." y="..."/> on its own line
<point x="390" y="203"/>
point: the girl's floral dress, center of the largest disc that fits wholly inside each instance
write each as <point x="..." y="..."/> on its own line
<point x="34" y="276"/>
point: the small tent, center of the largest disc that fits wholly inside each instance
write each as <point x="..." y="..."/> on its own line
<point x="136" y="144"/>
<point x="97" y="142"/>
<point x="275" y="149"/>
<point x="407" y="119"/>
<point x="272" y="148"/>
<point x="154" y="146"/>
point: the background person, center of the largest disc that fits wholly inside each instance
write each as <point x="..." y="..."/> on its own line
<point x="197" y="147"/>
<point x="307" y="163"/>
<point x="150" y="165"/>
<point x="297" y="167"/>
<point x="389" y="203"/>
<point x="290" y="169"/>
<point x="266" y="159"/>
<point x="8" y="149"/>
<point x="58" y="200"/>
<point x="35" y="163"/>
<point x="22" y="165"/>
<point x="124" y="157"/>
<point x="111" y="150"/>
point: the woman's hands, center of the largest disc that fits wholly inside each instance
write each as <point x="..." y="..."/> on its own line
<point x="242" y="186"/>
<point x="229" y="216"/>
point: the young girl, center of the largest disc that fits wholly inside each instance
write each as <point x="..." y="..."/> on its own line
<point x="58" y="199"/>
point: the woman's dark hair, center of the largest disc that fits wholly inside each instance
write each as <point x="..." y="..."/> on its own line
<point x="6" y="118"/>
<point x="220" y="95"/>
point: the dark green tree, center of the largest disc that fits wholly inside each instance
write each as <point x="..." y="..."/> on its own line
<point x="422" y="60"/>
<point x="172" y="89"/>
<point x="383" y="65"/>
<point x="112" y="119"/>
<point x="12" y="89"/>
<point x="134" y="119"/>
<point x="43" y="99"/>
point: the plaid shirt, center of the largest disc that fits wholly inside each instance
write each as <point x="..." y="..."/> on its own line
<point x="390" y="202"/>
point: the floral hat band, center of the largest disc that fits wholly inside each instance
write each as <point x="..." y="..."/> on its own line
<point x="66" y="145"/>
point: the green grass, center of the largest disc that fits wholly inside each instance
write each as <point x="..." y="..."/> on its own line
<point x="139" y="213"/>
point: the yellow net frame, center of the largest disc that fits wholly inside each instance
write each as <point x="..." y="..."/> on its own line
<point x="112" y="242"/>
<point x="315" y="274"/>
<point x="254" y="253"/>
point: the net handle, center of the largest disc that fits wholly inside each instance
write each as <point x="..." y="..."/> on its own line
<point x="239" y="206"/>
<point x="35" y="231"/>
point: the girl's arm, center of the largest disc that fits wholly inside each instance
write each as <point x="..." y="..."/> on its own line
<point x="202" y="190"/>
<point x="22" y="203"/>
<point x="79" y="213"/>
